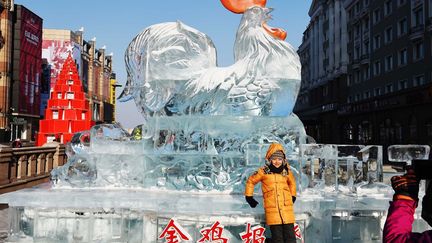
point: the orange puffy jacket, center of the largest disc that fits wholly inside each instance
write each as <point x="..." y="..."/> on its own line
<point x="277" y="190"/>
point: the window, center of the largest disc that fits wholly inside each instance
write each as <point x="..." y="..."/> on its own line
<point x="418" y="52"/>
<point x="366" y="95"/>
<point x="402" y="27"/>
<point x="403" y="84"/>
<point x="388" y="7"/>
<point x="83" y="116"/>
<point x="366" y="47"/>
<point x="70" y="82"/>
<point x="357" y="97"/>
<point x="418" y="16"/>
<point x="366" y="72"/>
<point x="376" y="15"/>
<point x="418" y="80"/>
<point x="403" y="57"/>
<point x="358" y="76"/>
<point x="401" y="2"/>
<point x="357" y="7"/>
<point x="357" y="31"/>
<point x="349" y="130"/>
<point x="389" y="88"/>
<point x="413" y="129"/>
<point x="388" y="63"/>
<point x="377" y="68"/>
<point x="59" y="95"/>
<point x="429" y="129"/>
<point x="366" y="25"/>
<point x="388" y="35"/>
<point x="364" y="132"/>
<point x="366" y="3"/>
<point x="55" y="115"/>
<point x="430" y="8"/>
<point x="377" y="42"/>
<point x="377" y="91"/>
<point x="356" y="53"/>
<point x="70" y="95"/>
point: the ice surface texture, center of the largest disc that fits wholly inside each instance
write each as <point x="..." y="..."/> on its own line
<point x="207" y="127"/>
<point x="172" y="71"/>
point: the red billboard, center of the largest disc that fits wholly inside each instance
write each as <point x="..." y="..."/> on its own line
<point x="30" y="61"/>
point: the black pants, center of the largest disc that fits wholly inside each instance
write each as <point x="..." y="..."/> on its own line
<point x="282" y="233"/>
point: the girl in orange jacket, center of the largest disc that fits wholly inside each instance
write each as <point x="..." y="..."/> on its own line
<point x="279" y="194"/>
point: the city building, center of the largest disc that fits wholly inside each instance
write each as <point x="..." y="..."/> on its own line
<point x="6" y="17"/>
<point x="386" y="97"/>
<point x="20" y="69"/>
<point x="324" y="59"/>
<point x="30" y="57"/>
<point x="113" y="96"/>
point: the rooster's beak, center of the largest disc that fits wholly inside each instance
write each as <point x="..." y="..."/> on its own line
<point x="275" y="32"/>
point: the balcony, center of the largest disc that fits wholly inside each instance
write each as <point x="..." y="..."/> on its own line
<point x="364" y="59"/>
<point x="357" y="41"/>
<point x="416" y="3"/>
<point x="430" y="24"/>
<point x="366" y="35"/>
<point x="417" y="32"/>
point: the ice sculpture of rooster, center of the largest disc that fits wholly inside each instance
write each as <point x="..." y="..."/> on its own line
<point x="172" y="69"/>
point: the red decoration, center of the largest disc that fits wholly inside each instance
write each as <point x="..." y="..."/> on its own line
<point x="68" y="110"/>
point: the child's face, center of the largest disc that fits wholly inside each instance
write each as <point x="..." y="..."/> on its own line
<point x="276" y="162"/>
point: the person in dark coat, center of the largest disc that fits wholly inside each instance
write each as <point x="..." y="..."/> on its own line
<point x="17" y="143"/>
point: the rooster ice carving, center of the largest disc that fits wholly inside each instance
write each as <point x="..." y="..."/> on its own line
<point x="172" y="69"/>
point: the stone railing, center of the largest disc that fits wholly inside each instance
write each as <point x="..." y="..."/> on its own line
<point x="28" y="166"/>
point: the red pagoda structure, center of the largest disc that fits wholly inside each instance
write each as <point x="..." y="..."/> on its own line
<point x="68" y="110"/>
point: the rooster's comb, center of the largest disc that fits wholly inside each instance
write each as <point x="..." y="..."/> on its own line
<point x="240" y="6"/>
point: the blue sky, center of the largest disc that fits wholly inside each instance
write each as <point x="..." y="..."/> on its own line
<point x="115" y="23"/>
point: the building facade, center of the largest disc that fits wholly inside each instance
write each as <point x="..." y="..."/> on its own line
<point x="30" y="60"/>
<point x="324" y="60"/>
<point x="386" y="97"/>
<point x="6" y="26"/>
<point x="20" y="58"/>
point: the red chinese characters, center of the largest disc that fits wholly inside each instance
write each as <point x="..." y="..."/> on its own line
<point x="213" y="234"/>
<point x="297" y="232"/>
<point x="174" y="233"/>
<point x="253" y="235"/>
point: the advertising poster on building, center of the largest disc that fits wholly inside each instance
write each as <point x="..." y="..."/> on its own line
<point x="96" y="76"/>
<point x="30" y="62"/>
<point x="56" y="52"/>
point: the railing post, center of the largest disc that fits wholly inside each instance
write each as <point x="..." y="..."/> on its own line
<point x="6" y="166"/>
<point x="22" y="167"/>
<point x="31" y="171"/>
<point x="49" y="162"/>
<point x="41" y="164"/>
<point x="60" y="156"/>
